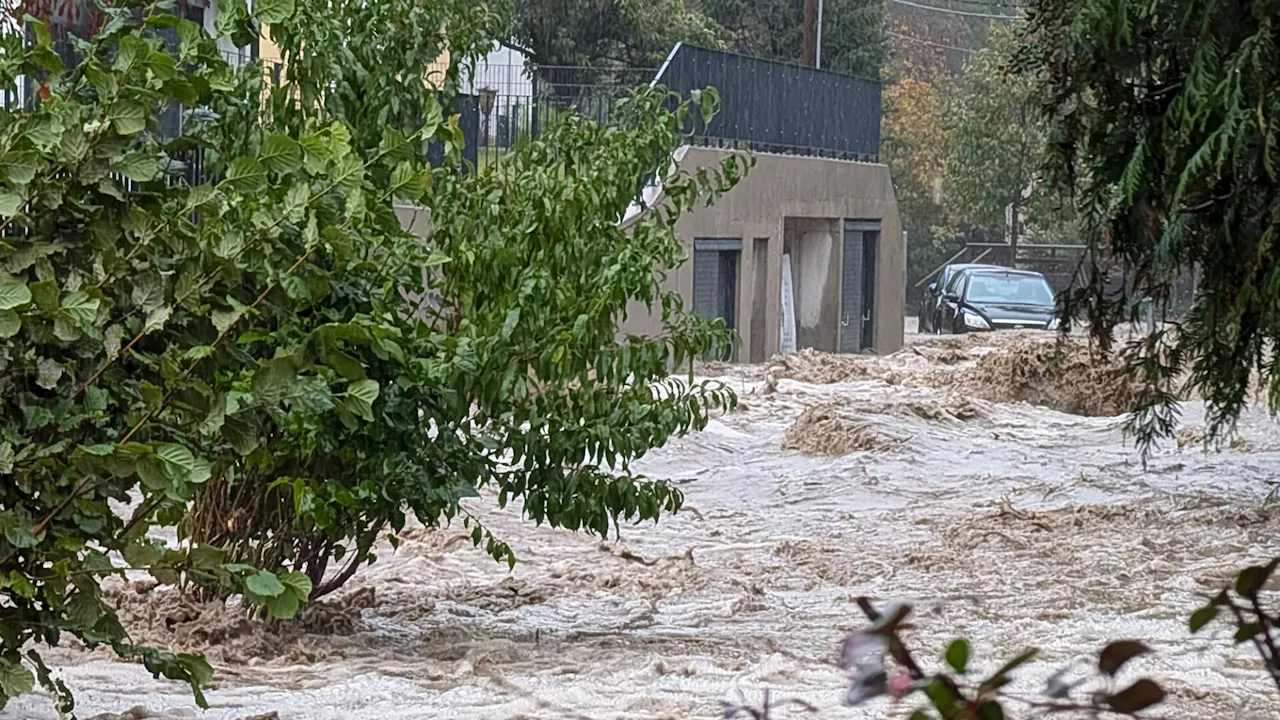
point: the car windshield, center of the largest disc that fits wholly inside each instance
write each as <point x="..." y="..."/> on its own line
<point x="1012" y="289"/>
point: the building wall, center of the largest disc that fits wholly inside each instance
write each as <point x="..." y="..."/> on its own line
<point x="817" y="195"/>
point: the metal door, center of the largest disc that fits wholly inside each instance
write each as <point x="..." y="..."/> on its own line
<point x="857" y="285"/>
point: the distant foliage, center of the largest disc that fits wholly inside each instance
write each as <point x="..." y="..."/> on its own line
<point x="260" y="356"/>
<point x="1164" y="118"/>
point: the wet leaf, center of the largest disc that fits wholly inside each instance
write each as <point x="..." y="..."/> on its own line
<point x="13" y="293"/>
<point x="1202" y="617"/>
<point x="1114" y="656"/>
<point x="1137" y="697"/>
<point x="15" y="679"/>
<point x="958" y="655"/>
<point x="1251" y="579"/>
<point x="264" y="583"/>
<point x="10" y="324"/>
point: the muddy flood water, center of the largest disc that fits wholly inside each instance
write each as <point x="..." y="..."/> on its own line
<point x="907" y="477"/>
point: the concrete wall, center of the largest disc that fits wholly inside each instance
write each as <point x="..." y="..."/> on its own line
<point x="817" y="194"/>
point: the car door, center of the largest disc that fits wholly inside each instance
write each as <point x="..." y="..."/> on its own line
<point x="950" y="302"/>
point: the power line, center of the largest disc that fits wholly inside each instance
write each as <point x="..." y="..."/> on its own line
<point x="949" y="11"/>
<point x="927" y="42"/>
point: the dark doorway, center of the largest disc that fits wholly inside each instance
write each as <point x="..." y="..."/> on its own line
<point x="858" y="285"/>
<point x="759" y="298"/>
<point x="715" y="282"/>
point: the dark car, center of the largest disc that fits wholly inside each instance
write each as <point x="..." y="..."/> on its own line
<point x="980" y="299"/>
<point x="930" y="315"/>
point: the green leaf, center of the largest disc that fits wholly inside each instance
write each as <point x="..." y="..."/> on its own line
<point x="283" y="606"/>
<point x="281" y="154"/>
<point x="360" y="397"/>
<point x="299" y="583"/>
<point x="131" y="49"/>
<point x="15" y="679"/>
<point x="19" y="168"/>
<point x="48" y="372"/>
<point x="246" y="176"/>
<point x="1251" y="579"/>
<point x="179" y="463"/>
<point x="6" y="458"/>
<point x="958" y="655"/>
<point x="295" y="202"/>
<point x="13" y="293"/>
<point x="10" y="204"/>
<point x="128" y="117"/>
<point x="271" y="12"/>
<point x="1202" y="617"/>
<point x="84" y="610"/>
<point x="139" y="166"/>
<point x="273" y="381"/>
<point x="436" y="258"/>
<point x="10" y="324"/>
<point x="191" y="36"/>
<point x="81" y="308"/>
<point x="264" y="584"/>
<point x="156" y="319"/>
<point x="45" y="293"/>
<point x="199" y="196"/>
<point x="224" y="319"/>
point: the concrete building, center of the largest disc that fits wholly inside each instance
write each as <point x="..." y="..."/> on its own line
<point x="836" y="225"/>
<point x="807" y="251"/>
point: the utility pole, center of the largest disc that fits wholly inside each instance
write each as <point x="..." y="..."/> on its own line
<point x="817" y="55"/>
<point x="809" y="50"/>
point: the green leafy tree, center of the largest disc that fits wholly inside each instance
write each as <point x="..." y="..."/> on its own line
<point x="1165" y="121"/>
<point x="995" y="143"/>
<point x="258" y="353"/>
<point x="630" y="33"/>
<point x="853" y="40"/>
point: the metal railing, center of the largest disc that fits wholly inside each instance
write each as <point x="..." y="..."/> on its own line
<point x="777" y="107"/>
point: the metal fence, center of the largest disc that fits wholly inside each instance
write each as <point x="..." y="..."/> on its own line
<point x="777" y="107"/>
<point x="766" y="106"/>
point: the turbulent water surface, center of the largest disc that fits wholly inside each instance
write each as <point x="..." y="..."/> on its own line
<point x="1010" y="524"/>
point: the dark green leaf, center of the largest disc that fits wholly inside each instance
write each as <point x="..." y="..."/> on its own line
<point x="1137" y="697"/>
<point x="958" y="655"/>
<point x="1251" y="579"/>
<point x="271" y="384"/>
<point x="1202" y="617"/>
<point x="15" y="679"/>
<point x="10" y="324"/>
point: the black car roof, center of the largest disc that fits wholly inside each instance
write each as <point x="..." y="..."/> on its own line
<point x="992" y="270"/>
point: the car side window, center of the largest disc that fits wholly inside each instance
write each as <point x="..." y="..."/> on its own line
<point x="953" y="286"/>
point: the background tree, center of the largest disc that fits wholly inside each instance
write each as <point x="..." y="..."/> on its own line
<point x="995" y="142"/>
<point x="1165" y="120"/>
<point x="629" y="33"/>
<point x="914" y="145"/>
<point x="853" y="39"/>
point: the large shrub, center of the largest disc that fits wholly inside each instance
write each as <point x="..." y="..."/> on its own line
<point x="228" y="331"/>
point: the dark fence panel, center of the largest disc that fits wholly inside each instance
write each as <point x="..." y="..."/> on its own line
<point x="771" y="106"/>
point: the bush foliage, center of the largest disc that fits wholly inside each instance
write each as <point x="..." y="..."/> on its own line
<point x="228" y="331"/>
